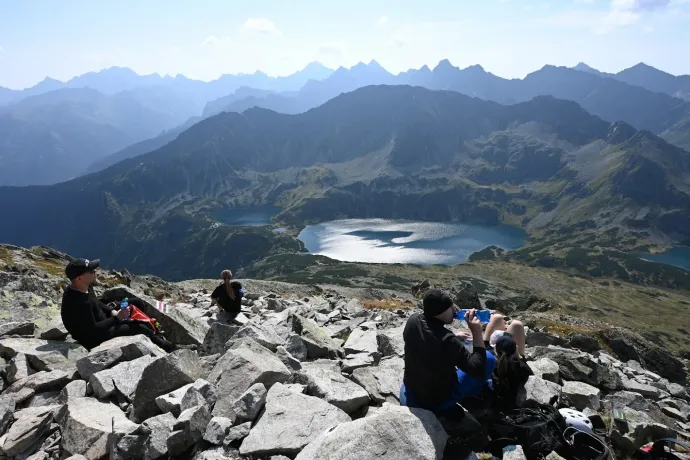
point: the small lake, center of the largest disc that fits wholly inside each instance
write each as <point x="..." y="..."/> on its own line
<point x="408" y="242"/>
<point x="678" y="257"/>
<point x="246" y="217"/>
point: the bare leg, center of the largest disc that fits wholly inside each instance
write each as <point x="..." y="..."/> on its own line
<point x="517" y="329"/>
<point x="497" y="323"/>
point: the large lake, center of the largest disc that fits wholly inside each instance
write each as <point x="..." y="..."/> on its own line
<point x="400" y="241"/>
<point x="678" y="257"/>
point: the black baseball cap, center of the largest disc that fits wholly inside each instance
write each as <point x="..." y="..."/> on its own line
<point x="436" y="302"/>
<point x="78" y="267"/>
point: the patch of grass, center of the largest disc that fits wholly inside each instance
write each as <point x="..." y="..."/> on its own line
<point x="388" y="304"/>
<point x="52" y="267"/>
<point x="5" y="255"/>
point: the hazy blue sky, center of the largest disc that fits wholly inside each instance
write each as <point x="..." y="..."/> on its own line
<point x="206" y="38"/>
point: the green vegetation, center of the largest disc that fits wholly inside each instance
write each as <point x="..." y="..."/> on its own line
<point x="646" y="310"/>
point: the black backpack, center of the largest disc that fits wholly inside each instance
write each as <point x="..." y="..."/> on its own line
<point x="541" y="430"/>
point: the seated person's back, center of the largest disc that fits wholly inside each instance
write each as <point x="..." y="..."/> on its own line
<point x="228" y="294"/>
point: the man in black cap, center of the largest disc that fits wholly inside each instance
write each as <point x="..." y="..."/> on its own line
<point x="433" y="354"/>
<point x="88" y="320"/>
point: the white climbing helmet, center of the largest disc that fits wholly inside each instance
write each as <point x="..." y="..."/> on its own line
<point x="577" y="420"/>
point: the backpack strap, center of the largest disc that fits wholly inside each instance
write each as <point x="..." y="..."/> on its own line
<point x="657" y="450"/>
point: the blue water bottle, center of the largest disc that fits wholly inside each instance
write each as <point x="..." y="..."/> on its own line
<point x="484" y="316"/>
<point x="124" y="304"/>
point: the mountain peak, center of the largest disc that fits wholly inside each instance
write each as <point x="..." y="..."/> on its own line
<point x="444" y="65"/>
<point x="475" y="69"/>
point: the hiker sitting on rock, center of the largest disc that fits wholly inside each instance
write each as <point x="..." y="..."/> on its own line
<point x="228" y="295"/>
<point x="89" y="320"/>
<point x="510" y="369"/>
<point x="435" y="358"/>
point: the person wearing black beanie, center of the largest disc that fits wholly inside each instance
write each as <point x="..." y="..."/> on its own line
<point x="433" y="355"/>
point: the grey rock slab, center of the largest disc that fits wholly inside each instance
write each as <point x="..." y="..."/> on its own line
<point x="237" y="433"/>
<point x="296" y="347"/>
<point x="189" y="429"/>
<point x="538" y="391"/>
<point x="124" y="378"/>
<point x="41" y="381"/>
<point x="217" y="336"/>
<point x="358" y="360"/>
<point x="290" y="422"/>
<point x="677" y="391"/>
<point x="582" y="395"/>
<point x="640" y="430"/>
<point x="18" y="368"/>
<point x="319" y="344"/>
<point x="74" y="389"/>
<point x="391" y="433"/>
<point x="25" y="431"/>
<point x="391" y="342"/>
<point x="290" y="361"/>
<point x="170" y="402"/>
<point x="200" y="392"/>
<point x="109" y="353"/>
<point x="263" y="335"/>
<point x="362" y="341"/>
<point x="673" y="413"/>
<point x="159" y="429"/>
<point x="331" y="386"/>
<point x="248" y="406"/>
<point x="218" y="453"/>
<point x="7" y="407"/>
<point x="54" y="331"/>
<point x="382" y="382"/>
<point x="629" y="399"/>
<point x="86" y="425"/>
<point x="579" y="366"/>
<point x="48" y="398"/>
<point x="17" y="328"/>
<point x="243" y="366"/>
<point x="641" y="388"/>
<point x="161" y="376"/>
<point x="546" y="369"/>
<point x="43" y="355"/>
<point x="217" y="429"/>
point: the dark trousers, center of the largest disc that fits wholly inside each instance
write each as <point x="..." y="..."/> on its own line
<point x="465" y="433"/>
<point x="127" y="328"/>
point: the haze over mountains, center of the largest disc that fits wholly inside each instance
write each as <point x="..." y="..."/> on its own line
<point x="55" y="131"/>
<point x="380" y="151"/>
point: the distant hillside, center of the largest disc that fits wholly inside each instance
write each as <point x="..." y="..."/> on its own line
<point x="54" y="136"/>
<point x="566" y="176"/>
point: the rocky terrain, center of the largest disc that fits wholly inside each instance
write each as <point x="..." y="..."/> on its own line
<point x="312" y="372"/>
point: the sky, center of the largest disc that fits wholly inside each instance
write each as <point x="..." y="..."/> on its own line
<point x="207" y="38"/>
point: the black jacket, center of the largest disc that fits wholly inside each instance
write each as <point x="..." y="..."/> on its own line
<point x="226" y="303"/>
<point x="432" y="356"/>
<point x="86" y="318"/>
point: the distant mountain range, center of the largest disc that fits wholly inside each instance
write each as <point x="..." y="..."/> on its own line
<point x="612" y="100"/>
<point x="568" y="177"/>
<point x="117" y="79"/>
<point x="54" y="136"/>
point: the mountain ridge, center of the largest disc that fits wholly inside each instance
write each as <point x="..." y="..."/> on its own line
<point x="494" y="163"/>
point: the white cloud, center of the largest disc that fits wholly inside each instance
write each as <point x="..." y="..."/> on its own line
<point x="261" y="25"/>
<point x="383" y="20"/>
<point x="396" y="42"/>
<point x="219" y="42"/>
<point x="335" y="48"/>
<point x="638" y="6"/>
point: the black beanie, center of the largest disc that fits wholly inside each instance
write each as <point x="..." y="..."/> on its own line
<point x="506" y="345"/>
<point x="436" y="302"/>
